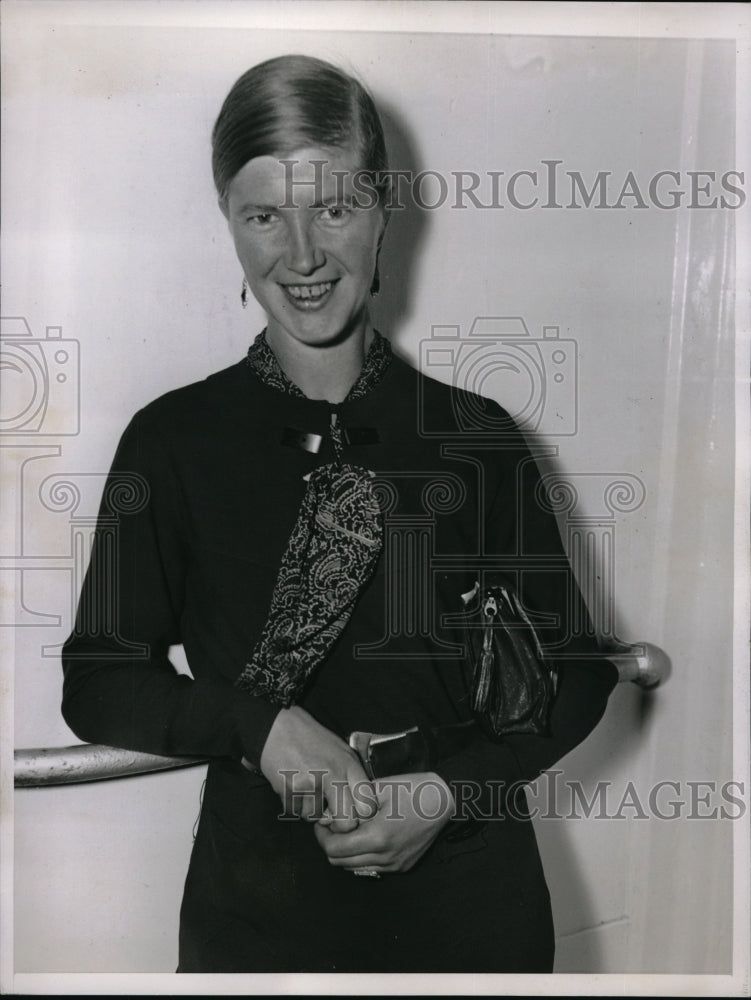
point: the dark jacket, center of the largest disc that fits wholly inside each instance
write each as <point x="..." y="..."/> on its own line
<point x="214" y="496"/>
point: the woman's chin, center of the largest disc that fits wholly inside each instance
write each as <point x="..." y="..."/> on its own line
<point x="319" y="328"/>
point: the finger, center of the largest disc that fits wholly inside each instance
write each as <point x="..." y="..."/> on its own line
<point x="322" y="835"/>
<point x="349" y="845"/>
<point x="340" y="844"/>
<point x="329" y="839"/>
<point x="306" y="803"/>
<point x="374" y="862"/>
<point x="341" y="806"/>
<point x="390" y="794"/>
<point x="305" y="807"/>
<point x="365" y="798"/>
<point x="362" y="790"/>
<point x="344" y="824"/>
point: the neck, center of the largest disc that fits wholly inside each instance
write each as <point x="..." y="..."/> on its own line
<point x="322" y="371"/>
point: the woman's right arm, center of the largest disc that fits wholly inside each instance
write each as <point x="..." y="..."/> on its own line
<point x="120" y="687"/>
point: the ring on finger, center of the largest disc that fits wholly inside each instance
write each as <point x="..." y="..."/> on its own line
<point x="368" y="872"/>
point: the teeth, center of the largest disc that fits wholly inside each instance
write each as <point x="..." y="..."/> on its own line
<point x="309" y="291"/>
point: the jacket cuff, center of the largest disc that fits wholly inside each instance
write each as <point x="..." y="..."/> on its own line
<point x="252" y="719"/>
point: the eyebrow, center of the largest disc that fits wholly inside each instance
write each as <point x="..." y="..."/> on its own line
<point x="257" y="208"/>
<point x="347" y="199"/>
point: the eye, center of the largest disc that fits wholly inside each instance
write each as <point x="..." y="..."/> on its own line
<point x="261" y="220"/>
<point x="336" y="214"/>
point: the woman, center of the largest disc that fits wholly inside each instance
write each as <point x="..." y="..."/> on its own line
<point x="295" y="506"/>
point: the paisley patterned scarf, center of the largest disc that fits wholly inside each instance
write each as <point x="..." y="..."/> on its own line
<point x="330" y="556"/>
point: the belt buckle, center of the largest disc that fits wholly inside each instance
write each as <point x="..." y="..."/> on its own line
<point x="362" y="743"/>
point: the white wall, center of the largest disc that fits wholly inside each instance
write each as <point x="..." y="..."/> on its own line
<point x="112" y="233"/>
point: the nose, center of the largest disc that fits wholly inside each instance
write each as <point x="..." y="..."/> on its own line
<point x="303" y="254"/>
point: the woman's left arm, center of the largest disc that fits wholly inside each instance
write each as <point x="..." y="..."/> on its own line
<point x="474" y="782"/>
<point x="521" y="526"/>
<point x="413" y="809"/>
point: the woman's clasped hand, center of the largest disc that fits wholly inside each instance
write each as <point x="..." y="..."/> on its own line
<point x="385" y="825"/>
<point x="412" y="809"/>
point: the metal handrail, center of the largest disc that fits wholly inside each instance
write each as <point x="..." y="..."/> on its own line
<point x="93" y="762"/>
<point x="647" y="668"/>
<point x="87" y="762"/>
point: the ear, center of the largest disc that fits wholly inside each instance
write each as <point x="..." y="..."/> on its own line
<point x="223" y="207"/>
<point x="385" y="216"/>
<point x="386" y="187"/>
<point x="385" y="202"/>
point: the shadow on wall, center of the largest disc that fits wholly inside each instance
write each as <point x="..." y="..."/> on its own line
<point x="405" y="235"/>
<point x="574" y="903"/>
<point x="568" y="886"/>
<point x="580" y="854"/>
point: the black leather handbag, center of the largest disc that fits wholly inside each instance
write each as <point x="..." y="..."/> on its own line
<point x="512" y="682"/>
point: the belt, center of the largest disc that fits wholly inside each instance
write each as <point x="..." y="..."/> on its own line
<point x="412" y="750"/>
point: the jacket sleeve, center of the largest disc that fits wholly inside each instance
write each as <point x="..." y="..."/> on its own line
<point x="583" y="691"/>
<point x="119" y="686"/>
<point x="522" y="526"/>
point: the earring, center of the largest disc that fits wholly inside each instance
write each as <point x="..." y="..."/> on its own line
<point x="376" y="285"/>
<point x="244" y="293"/>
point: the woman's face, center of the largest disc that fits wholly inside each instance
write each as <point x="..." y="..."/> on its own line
<point x="307" y="249"/>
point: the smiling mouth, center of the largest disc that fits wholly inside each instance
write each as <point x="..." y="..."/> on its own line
<point x="307" y="296"/>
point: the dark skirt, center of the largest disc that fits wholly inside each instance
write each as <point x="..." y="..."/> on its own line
<point x="260" y="896"/>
